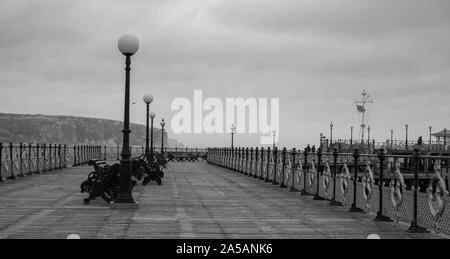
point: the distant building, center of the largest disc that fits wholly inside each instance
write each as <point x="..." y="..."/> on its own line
<point x="442" y="135"/>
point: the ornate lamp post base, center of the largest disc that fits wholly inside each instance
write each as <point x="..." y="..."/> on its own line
<point x="124" y="206"/>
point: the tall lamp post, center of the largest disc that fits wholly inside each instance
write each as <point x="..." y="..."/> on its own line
<point x="147" y="99"/>
<point x="128" y="45"/>
<point x="152" y="116"/>
<point x="233" y="131"/>
<point x="274" y="133"/>
<point x="368" y="137"/>
<point x="406" y="142"/>
<point x="321" y="139"/>
<point x="445" y="139"/>
<point x="331" y="133"/>
<point x="163" y="124"/>
<point x="429" y="142"/>
<point x="351" y="135"/>
<point x="392" y="138"/>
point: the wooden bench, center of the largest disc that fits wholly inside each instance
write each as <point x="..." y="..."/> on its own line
<point x="104" y="181"/>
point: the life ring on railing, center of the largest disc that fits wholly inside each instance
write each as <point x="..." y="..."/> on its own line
<point x="287" y="170"/>
<point x="299" y="172"/>
<point x="24" y="159"/>
<point x="397" y="186"/>
<point x="67" y="158"/>
<point x="368" y="182"/>
<point x="6" y="162"/>
<point x="345" y="179"/>
<point x="326" y="178"/>
<point x="312" y="174"/>
<point x="279" y="168"/>
<point x="16" y="162"/>
<point x="437" y="194"/>
<point x="33" y="162"/>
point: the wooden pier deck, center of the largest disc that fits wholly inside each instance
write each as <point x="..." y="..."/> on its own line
<point x="196" y="200"/>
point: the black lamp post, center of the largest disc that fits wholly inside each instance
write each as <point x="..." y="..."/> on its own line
<point x="445" y="139"/>
<point x="147" y="99"/>
<point x="152" y="116"/>
<point x="331" y="133"/>
<point x="392" y="138"/>
<point x="233" y="131"/>
<point x="429" y="142"/>
<point x="163" y="124"/>
<point x="351" y="135"/>
<point x="274" y="134"/>
<point x="406" y="142"/>
<point x="128" y="45"/>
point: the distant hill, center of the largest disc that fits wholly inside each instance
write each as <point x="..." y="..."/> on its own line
<point x="17" y="128"/>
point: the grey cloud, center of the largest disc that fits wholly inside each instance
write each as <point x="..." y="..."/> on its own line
<point x="344" y="17"/>
<point x="315" y="55"/>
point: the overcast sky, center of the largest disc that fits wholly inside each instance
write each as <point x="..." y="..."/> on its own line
<point x="61" y="57"/>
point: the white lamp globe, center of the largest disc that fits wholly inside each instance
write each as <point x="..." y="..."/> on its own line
<point x="148" y="98"/>
<point x="163" y="123"/>
<point x="152" y="115"/>
<point x="128" y="44"/>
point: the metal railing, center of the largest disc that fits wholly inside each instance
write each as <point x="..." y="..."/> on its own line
<point x="394" y="145"/>
<point x="19" y="160"/>
<point x="404" y="187"/>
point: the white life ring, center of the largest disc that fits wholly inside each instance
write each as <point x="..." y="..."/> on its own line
<point x="312" y="174"/>
<point x="299" y="172"/>
<point x="326" y="177"/>
<point x="345" y="179"/>
<point x="397" y="186"/>
<point x="368" y="183"/>
<point x="437" y="194"/>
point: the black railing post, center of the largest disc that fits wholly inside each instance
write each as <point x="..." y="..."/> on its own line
<point x="238" y="165"/>
<point x="50" y="168"/>
<point x="44" y="158"/>
<point x="283" y="165"/>
<point x="11" y="164"/>
<point x="304" y="192"/>
<point x="380" y="216"/>
<point x="59" y="155"/>
<point x="256" y="162"/>
<point x="251" y="162"/>
<point x="333" y="201"/>
<point x="104" y="152"/>
<point x="38" y="169"/>
<point x="354" y="207"/>
<point x="275" y="164"/>
<point x="317" y="196"/>
<point x="415" y="228"/>
<point x="30" y="172"/>
<point x="20" y="160"/>
<point x="55" y="151"/>
<point x="74" y="156"/>
<point x="293" y="167"/>
<point x="246" y="161"/>
<point x="1" y="162"/>
<point x="267" y="165"/>
<point x="65" y="156"/>
<point x="261" y="168"/>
